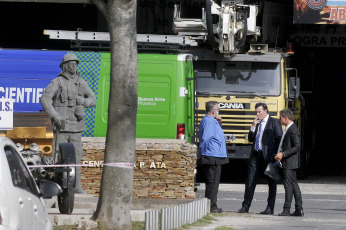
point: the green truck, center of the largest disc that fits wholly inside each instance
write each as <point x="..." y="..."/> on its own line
<point x="165" y="97"/>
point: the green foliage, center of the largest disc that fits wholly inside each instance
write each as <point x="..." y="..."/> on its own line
<point x="224" y="228"/>
<point x="206" y="220"/>
<point x="65" y="227"/>
<point x="138" y="225"/>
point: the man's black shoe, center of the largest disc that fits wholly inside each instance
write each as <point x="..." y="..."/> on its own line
<point x="298" y="213"/>
<point x="217" y="210"/>
<point x="268" y="211"/>
<point x="285" y="213"/>
<point x="243" y="210"/>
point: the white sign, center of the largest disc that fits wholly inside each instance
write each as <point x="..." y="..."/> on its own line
<point x="319" y="40"/>
<point x="6" y="114"/>
<point x="150" y="100"/>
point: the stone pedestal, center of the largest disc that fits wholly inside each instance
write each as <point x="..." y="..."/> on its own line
<point x="164" y="168"/>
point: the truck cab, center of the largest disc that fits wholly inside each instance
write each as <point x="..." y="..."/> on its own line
<point x="241" y="81"/>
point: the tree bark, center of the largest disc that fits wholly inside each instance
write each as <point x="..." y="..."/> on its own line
<point x="114" y="205"/>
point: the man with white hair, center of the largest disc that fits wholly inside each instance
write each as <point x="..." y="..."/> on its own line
<point x="212" y="152"/>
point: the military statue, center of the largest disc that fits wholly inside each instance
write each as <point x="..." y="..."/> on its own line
<point x="64" y="100"/>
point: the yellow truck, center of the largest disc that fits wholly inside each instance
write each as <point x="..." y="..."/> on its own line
<point x="239" y="82"/>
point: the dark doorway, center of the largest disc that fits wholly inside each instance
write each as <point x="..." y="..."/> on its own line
<point x="322" y="72"/>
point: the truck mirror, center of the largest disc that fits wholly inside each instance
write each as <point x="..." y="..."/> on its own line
<point x="294" y="87"/>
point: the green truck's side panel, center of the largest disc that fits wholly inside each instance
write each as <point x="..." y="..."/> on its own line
<point x="162" y="103"/>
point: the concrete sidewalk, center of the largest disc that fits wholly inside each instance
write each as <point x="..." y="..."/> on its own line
<point x="324" y="204"/>
<point x="317" y="185"/>
<point x="84" y="207"/>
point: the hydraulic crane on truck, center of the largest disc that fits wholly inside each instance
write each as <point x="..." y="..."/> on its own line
<point x="234" y="24"/>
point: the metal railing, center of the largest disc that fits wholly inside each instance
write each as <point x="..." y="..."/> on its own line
<point x="152" y="220"/>
<point x="176" y="216"/>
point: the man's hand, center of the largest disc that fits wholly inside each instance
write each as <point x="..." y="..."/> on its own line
<point x="279" y="156"/>
<point x="219" y="119"/>
<point x="256" y="121"/>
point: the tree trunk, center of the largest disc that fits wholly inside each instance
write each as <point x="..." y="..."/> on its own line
<point x="114" y="205"/>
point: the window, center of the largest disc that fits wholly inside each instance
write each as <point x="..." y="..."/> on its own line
<point x="21" y="177"/>
<point x="239" y="78"/>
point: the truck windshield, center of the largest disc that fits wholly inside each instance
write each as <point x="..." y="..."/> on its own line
<point x="239" y="78"/>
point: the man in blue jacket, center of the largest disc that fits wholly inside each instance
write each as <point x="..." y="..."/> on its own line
<point x="212" y="152"/>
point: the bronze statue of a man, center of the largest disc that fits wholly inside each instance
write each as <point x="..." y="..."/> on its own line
<point x="64" y="100"/>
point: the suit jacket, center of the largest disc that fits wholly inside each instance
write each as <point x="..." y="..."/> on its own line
<point x="270" y="140"/>
<point x="291" y="148"/>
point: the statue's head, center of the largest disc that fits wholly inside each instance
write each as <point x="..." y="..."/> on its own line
<point x="69" y="63"/>
<point x="69" y="57"/>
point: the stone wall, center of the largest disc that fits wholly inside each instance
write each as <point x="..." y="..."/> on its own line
<point x="164" y="169"/>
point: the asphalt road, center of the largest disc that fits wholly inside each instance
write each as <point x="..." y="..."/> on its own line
<point x="324" y="203"/>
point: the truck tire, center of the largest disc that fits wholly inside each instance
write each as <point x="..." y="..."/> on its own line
<point x="67" y="180"/>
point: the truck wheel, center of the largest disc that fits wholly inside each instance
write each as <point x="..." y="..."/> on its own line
<point x="67" y="180"/>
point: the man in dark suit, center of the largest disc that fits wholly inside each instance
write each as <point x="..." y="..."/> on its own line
<point x="288" y="156"/>
<point x="265" y="134"/>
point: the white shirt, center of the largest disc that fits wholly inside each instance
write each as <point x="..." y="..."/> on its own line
<point x="253" y="128"/>
<point x="283" y="136"/>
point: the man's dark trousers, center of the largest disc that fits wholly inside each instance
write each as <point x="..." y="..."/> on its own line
<point x="291" y="188"/>
<point x="212" y="174"/>
<point x="256" y="167"/>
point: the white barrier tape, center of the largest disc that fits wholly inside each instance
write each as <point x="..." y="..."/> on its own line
<point x="119" y="164"/>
